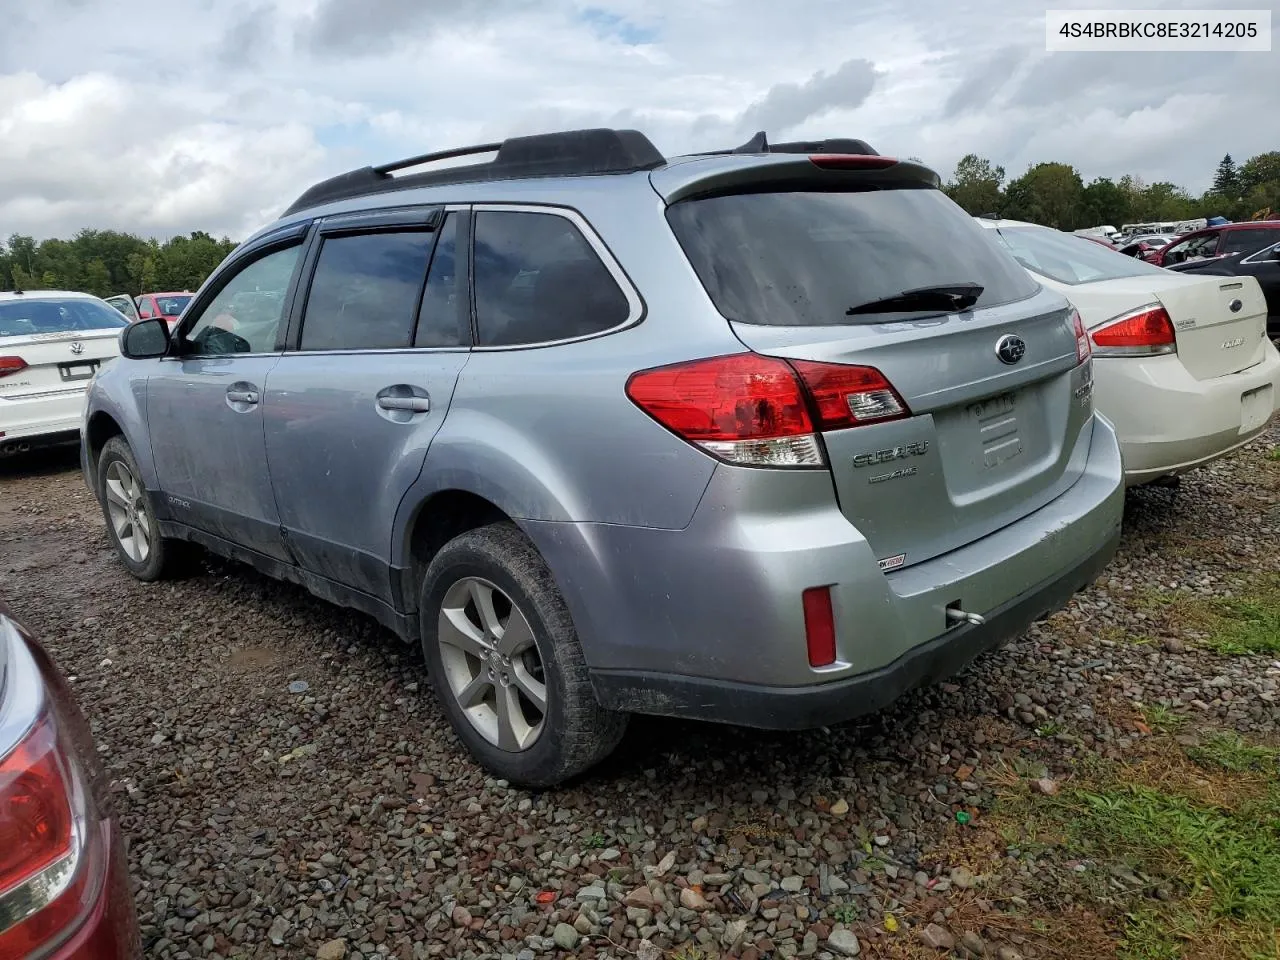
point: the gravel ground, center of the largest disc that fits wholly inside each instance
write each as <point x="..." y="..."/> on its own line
<point x="291" y="790"/>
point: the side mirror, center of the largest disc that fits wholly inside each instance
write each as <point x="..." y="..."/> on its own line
<point x="145" y="339"/>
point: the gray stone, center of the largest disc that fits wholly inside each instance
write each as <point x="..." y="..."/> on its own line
<point x="844" y="943"/>
<point x="566" y="937"/>
<point x="936" y="937"/>
<point x="793" y="884"/>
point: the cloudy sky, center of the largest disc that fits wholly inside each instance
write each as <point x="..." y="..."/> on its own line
<point x="163" y="116"/>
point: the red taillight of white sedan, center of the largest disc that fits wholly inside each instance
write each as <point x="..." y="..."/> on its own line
<point x="1147" y="331"/>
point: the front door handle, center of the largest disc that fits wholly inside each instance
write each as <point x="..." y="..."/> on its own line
<point x="242" y="396"/>
<point x="411" y="404"/>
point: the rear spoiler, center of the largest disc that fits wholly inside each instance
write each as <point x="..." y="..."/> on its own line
<point x="710" y="175"/>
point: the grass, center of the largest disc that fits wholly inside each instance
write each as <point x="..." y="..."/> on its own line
<point x="1230" y="752"/>
<point x="1273" y="453"/>
<point x="1245" y="624"/>
<point x="1162" y="719"/>
<point x="1200" y="828"/>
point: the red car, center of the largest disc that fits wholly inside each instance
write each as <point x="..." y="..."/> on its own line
<point x="1219" y="242"/>
<point x="167" y="305"/>
<point x="64" y="886"/>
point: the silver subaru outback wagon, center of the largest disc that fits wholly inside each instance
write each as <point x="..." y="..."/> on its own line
<point x="767" y="436"/>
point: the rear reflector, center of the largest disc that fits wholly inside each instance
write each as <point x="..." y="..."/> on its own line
<point x="1144" y="332"/>
<point x="10" y="365"/>
<point x="819" y="626"/>
<point x="851" y="161"/>
<point x="756" y="411"/>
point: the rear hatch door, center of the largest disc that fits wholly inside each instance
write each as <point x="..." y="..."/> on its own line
<point x="989" y="440"/>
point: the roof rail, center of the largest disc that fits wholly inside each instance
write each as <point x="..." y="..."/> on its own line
<point x="760" y="144"/>
<point x="570" y="153"/>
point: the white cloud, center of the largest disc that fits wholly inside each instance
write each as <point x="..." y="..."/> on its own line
<point x="158" y="117"/>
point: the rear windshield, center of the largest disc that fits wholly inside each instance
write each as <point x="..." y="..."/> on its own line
<point x="804" y="258"/>
<point x="1067" y="259"/>
<point x="172" y="306"/>
<point x="23" y="318"/>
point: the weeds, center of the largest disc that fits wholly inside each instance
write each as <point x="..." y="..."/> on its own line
<point x="594" y="841"/>
<point x="1229" y="751"/>
<point x="845" y="913"/>
<point x="1249" y="623"/>
<point x="1162" y="719"/>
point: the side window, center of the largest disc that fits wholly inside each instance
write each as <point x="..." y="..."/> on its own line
<point x="245" y="315"/>
<point x="144" y="308"/>
<point x="1247" y="241"/>
<point x="442" y="319"/>
<point x="537" y="279"/>
<point x="364" y="294"/>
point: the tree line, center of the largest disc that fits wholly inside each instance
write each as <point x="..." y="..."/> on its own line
<point x="107" y="262"/>
<point x="1054" y="194"/>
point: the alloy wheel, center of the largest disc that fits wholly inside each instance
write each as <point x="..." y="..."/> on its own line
<point x="127" y="508"/>
<point x="492" y="664"/>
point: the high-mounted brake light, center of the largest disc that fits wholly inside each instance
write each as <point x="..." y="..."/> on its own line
<point x="851" y="161"/>
<point x="9" y="365"/>
<point x="763" y="411"/>
<point x="1083" y="349"/>
<point x="1147" y="331"/>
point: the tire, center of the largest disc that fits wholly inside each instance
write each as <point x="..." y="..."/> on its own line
<point x="129" y="515"/>
<point x="504" y="665"/>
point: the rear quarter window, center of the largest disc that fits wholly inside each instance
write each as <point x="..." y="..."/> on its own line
<point x="537" y="280"/>
<point x="804" y="258"/>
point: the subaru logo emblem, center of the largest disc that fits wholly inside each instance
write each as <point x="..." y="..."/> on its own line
<point x="77" y="347"/>
<point x="1010" y="349"/>
<point x="1236" y="306"/>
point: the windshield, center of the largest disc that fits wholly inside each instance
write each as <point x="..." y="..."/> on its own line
<point x="24" y="318"/>
<point x="1067" y="259"/>
<point x="805" y="258"/>
<point x="172" y="306"/>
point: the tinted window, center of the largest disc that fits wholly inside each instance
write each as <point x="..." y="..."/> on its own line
<point x="442" y="320"/>
<point x="364" y="294"/>
<point x="172" y="306"/>
<point x="245" y="315"/>
<point x="1069" y="259"/>
<point x="538" y="279"/>
<point x="22" y="317"/>
<point x="804" y="258"/>
<point x="1247" y="241"/>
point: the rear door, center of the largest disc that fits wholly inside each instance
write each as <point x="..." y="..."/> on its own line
<point x="354" y="403"/>
<point x="205" y="401"/>
<point x="999" y="400"/>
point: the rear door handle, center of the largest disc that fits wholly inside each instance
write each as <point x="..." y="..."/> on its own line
<point x="412" y="404"/>
<point x="242" y="396"/>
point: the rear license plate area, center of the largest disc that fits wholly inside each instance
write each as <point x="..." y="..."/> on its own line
<point x="996" y="419"/>
<point x="1256" y="407"/>
<point x="71" y="372"/>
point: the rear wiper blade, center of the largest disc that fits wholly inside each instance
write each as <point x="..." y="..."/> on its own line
<point x="947" y="296"/>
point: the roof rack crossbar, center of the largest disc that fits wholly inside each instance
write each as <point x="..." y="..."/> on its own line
<point x="386" y="168"/>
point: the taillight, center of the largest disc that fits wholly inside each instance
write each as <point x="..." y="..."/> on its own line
<point x="753" y="410"/>
<point x="36" y="824"/>
<point x="53" y="858"/>
<point x="9" y="365"/>
<point x="1144" y="332"/>
<point x="1083" y="350"/>
<point x="846" y="396"/>
<point x="851" y="161"/>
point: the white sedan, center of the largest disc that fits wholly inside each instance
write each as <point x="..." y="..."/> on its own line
<point x="51" y="345"/>
<point x="1182" y="364"/>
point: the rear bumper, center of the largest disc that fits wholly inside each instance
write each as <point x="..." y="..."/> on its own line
<point x="708" y="621"/>
<point x="802" y="708"/>
<point x="33" y="417"/>
<point x="1169" y="422"/>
